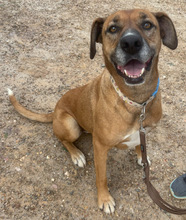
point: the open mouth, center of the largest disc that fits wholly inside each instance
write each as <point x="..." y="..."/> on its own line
<point x="134" y="70"/>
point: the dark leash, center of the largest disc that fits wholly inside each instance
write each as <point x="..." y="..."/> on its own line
<point x="153" y="193"/>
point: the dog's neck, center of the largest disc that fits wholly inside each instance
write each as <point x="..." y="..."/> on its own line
<point x="137" y="93"/>
<point x="127" y="100"/>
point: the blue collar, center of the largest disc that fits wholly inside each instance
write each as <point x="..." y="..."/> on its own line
<point x="157" y="87"/>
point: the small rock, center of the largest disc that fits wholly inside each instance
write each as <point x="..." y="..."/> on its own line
<point x="18" y="169"/>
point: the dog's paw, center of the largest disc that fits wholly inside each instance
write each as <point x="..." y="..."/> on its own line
<point x="107" y="204"/>
<point x="79" y="159"/>
<point x="140" y="161"/>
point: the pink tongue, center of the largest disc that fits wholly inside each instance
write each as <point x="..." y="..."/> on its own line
<point x="134" y="67"/>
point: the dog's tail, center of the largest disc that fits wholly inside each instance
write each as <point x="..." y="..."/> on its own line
<point x="27" y="113"/>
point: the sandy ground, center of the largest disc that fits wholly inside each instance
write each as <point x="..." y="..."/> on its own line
<point x="44" y="52"/>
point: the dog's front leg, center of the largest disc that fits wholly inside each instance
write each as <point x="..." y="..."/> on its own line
<point x="105" y="200"/>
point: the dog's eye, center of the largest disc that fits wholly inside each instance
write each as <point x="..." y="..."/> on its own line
<point x="113" y="29"/>
<point x="147" y="25"/>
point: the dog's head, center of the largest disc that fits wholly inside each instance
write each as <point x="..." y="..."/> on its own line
<point x="131" y="41"/>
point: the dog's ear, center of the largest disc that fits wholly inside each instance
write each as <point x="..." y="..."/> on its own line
<point x="167" y="30"/>
<point x="96" y="35"/>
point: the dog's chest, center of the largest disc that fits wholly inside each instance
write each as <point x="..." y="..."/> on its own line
<point x="132" y="140"/>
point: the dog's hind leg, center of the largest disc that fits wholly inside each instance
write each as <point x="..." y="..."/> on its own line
<point x="67" y="130"/>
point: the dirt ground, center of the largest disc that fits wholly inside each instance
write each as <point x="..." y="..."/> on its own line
<point x="44" y="52"/>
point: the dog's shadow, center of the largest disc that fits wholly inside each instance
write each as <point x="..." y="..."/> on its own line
<point x="84" y="143"/>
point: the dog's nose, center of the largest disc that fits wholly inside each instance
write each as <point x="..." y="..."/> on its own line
<point x="131" y="42"/>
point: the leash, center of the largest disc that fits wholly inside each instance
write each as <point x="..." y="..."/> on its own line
<point x="153" y="193"/>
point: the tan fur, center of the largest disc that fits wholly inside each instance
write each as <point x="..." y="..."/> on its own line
<point x="97" y="108"/>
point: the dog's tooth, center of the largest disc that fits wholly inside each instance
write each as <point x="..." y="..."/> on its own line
<point x="142" y="71"/>
<point x="125" y="72"/>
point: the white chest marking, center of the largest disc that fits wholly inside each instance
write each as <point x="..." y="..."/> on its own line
<point x="134" y="140"/>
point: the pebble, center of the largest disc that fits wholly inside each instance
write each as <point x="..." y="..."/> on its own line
<point x="22" y="158"/>
<point x="67" y="173"/>
<point x="18" y="169"/>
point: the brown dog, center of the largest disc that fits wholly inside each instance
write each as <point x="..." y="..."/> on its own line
<point x="131" y="43"/>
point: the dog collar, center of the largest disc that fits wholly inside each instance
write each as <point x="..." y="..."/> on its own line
<point x="127" y="100"/>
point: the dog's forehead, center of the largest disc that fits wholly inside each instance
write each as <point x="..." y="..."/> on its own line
<point x="129" y="16"/>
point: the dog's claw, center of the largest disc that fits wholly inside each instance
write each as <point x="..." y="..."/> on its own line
<point x="108" y="206"/>
<point x="140" y="161"/>
<point x="79" y="159"/>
